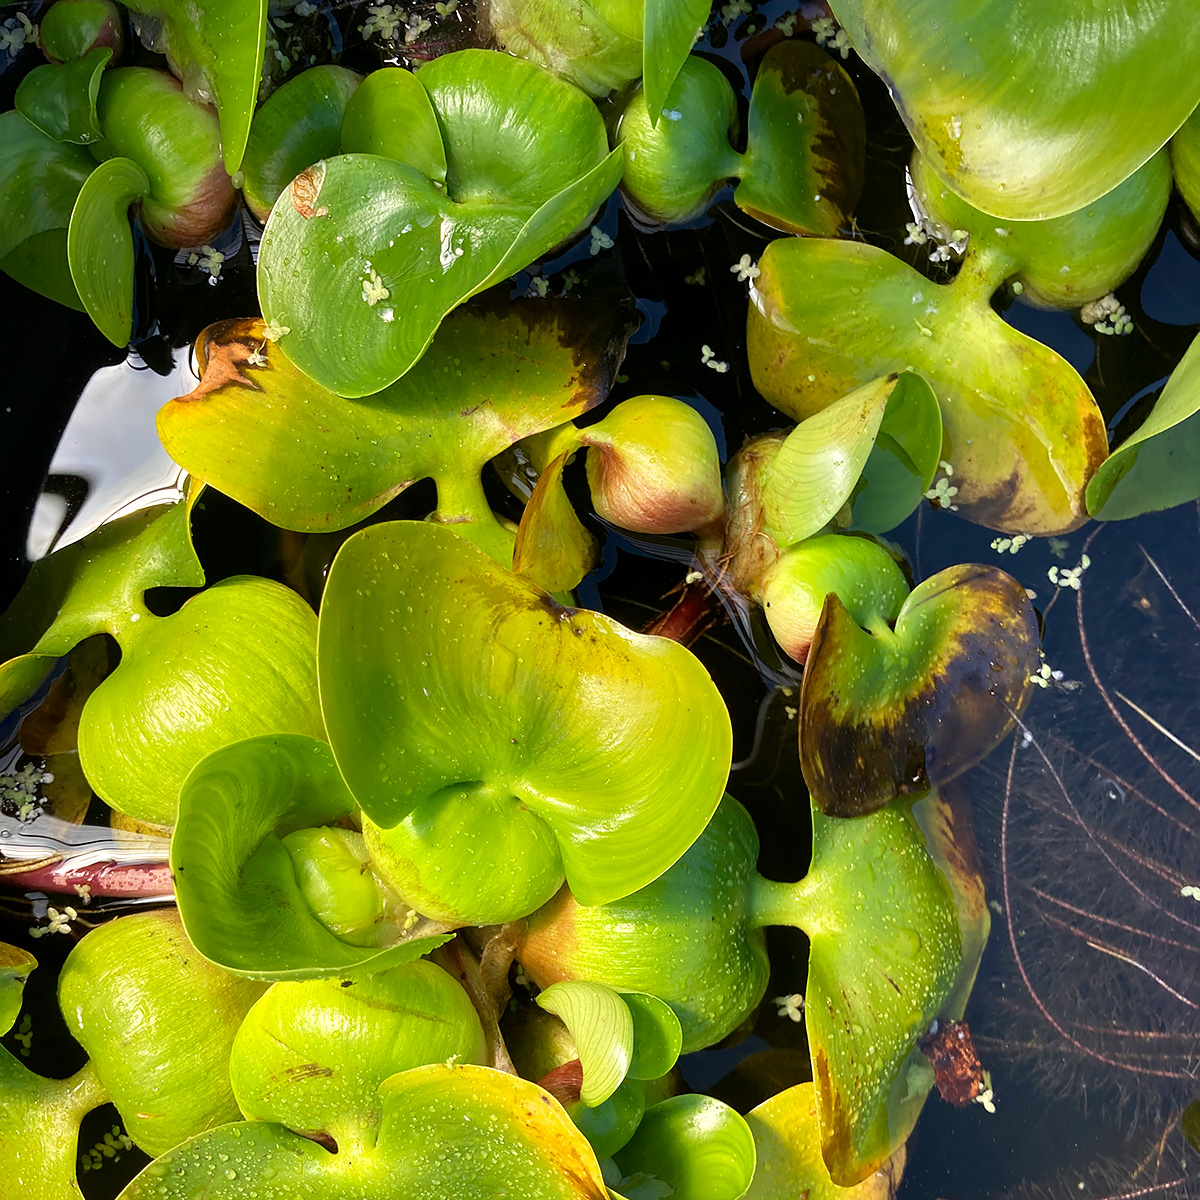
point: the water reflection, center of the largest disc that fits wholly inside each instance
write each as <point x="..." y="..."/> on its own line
<point x="110" y="462"/>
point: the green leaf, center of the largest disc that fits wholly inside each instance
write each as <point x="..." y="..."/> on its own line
<point x="40" y="263"/>
<point x="219" y="44"/>
<point x="16" y="965"/>
<point x="458" y="1133"/>
<point x="1185" y="161"/>
<point x="816" y="468"/>
<point x="885" y="713"/>
<point x="601" y="1024"/>
<point x="158" y="1023"/>
<point x="306" y="459"/>
<point x="61" y="99"/>
<point x="554" y="550"/>
<point x="236" y="661"/>
<point x="299" y="124"/>
<point x="1021" y="428"/>
<point x="903" y="460"/>
<point x="809" y="184"/>
<point x="1018" y="132"/>
<point x="787" y="1145"/>
<point x="668" y="31"/>
<point x="526" y="165"/>
<point x="235" y="884"/>
<point x="76" y="27"/>
<point x="94" y="585"/>
<point x="391" y="116"/>
<point x="619" y="743"/>
<point x="657" y="1036"/>
<point x="1155" y="467"/>
<point x="342" y="1042"/>
<point x="100" y="245"/>
<point x="702" y="1149"/>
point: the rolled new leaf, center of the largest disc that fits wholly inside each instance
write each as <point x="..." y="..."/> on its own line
<point x="892" y="712"/>
<point x="158" y="1022"/>
<point x="334" y="1042"/>
<point x="527" y="164"/>
<point x="455" y="691"/>
<point x="1018" y="133"/>
<point x="300" y="123"/>
<point x="802" y="169"/>
<point x="700" y="1148"/>
<point x="878" y="971"/>
<point x="241" y="897"/>
<point x="462" y="1133"/>
<point x="1155" y="467"/>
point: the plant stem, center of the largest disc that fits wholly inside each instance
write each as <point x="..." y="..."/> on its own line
<point x="795" y="904"/>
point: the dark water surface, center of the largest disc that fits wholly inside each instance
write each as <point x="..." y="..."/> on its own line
<point x="1086" y="1007"/>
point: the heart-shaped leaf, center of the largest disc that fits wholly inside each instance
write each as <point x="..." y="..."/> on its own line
<point x="100" y="245"/>
<point x="1020" y="133"/>
<point x="602" y="1026"/>
<point x="889" y="713"/>
<point x="1155" y="467"/>
<point x="700" y="1148"/>
<point x="459" y="1133"/>
<point x="669" y="28"/>
<point x="391" y="115"/>
<point x="787" y="1146"/>
<point x="336" y="1042"/>
<point x="618" y="742"/>
<point x="235" y="882"/>
<point x="299" y="124"/>
<point x="306" y="459"/>
<point x="526" y="165"/>
<point x="217" y="44"/>
<point x="818" y="464"/>
<point x="1021" y="429"/>
<point x="61" y="99"/>
<point x="158" y="1022"/>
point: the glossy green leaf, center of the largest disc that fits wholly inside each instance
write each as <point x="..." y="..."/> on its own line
<point x="1020" y="428"/>
<point x="94" y="585"/>
<point x="787" y="1146"/>
<point x="610" y="1125"/>
<point x="668" y="31"/>
<point x="299" y="124"/>
<point x="158" y="1022"/>
<point x="597" y="45"/>
<point x="236" y="661"/>
<point x="1155" y="467"/>
<point x="336" y="1043"/>
<point x="602" y="1027"/>
<point x="711" y="970"/>
<point x="700" y="1148"/>
<point x="365" y="231"/>
<point x="16" y="965"/>
<point x="40" y="264"/>
<point x="391" y="115"/>
<point x="1065" y="261"/>
<point x="148" y="118"/>
<point x="617" y="742"/>
<point x="100" y="245"/>
<point x="1020" y="133"/>
<point x="39" y="180"/>
<point x="75" y="27"/>
<point x="809" y="184"/>
<point x="904" y="459"/>
<point x="235" y="884"/>
<point x="459" y="1133"/>
<point x="61" y="99"/>
<point x="1185" y="161"/>
<point x="554" y="549"/>
<point x="816" y="468"/>
<point x="217" y="46"/>
<point x="890" y="712"/>
<point x="657" y="1036"/>
<point x="306" y="459"/>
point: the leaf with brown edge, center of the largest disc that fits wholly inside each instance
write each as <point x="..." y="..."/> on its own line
<point x="306" y="459"/>
<point x="888" y="713"/>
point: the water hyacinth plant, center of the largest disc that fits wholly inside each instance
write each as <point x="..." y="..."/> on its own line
<point x="423" y="777"/>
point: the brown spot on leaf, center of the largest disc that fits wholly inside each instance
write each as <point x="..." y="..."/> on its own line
<point x="304" y="190"/>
